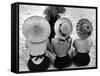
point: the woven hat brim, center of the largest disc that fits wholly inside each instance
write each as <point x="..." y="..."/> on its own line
<point x="61" y="21"/>
<point x="29" y="26"/>
<point x="84" y="33"/>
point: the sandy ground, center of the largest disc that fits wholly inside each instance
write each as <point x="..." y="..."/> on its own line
<point x="74" y="14"/>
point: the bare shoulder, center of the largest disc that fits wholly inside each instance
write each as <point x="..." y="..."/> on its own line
<point x="89" y="41"/>
<point x="75" y="42"/>
<point x="54" y="40"/>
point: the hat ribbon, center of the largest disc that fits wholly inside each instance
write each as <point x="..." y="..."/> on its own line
<point x="37" y="57"/>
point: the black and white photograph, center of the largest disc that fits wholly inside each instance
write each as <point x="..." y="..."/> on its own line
<point x="55" y="37"/>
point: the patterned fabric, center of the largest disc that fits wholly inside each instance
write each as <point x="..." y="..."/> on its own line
<point x="84" y="28"/>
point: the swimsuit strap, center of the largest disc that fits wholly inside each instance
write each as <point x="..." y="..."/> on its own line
<point x="39" y="56"/>
<point x="67" y="38"/>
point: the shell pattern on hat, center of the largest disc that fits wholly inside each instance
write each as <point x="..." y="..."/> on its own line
<point x="65" y="24"/>
<point x="84" y="28"/>
<point x="36" y="29"/>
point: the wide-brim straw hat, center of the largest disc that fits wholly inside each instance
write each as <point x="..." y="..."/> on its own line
<point x="84" y="28"/>
<point x="36" y="29"/>
<point x="63" y="25"/>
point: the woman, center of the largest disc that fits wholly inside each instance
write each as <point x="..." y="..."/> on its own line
<point x="52" y="13"/>
<point x="36" y="31"/>
<point x="61" y="44"/>
<point x="83" y="44"/>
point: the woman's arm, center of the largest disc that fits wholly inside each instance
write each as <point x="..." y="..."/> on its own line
<point x="51" y="56"/>
<point x="50" y="47"/>
<point x="74" y="43"/>
<point x="70" y="39"/>
<point x="50" y="52"/>
<point x="70" y="52"/>
<point x="26" y="51"/>
<point x="74" y="46"/>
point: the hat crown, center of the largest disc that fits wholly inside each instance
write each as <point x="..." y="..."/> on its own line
<point x="65" y="28"/>
<point x="63" y="25"/>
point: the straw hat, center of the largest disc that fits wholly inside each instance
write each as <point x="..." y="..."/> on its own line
<point x="63" y="26"/>
<point x="36" y="29"/>
<point x="84" y="28"/>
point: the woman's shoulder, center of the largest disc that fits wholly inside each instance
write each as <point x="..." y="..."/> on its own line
<point x="54" y="40"/>
<point x="76" y="40"/>
<point x="81" y="42"/>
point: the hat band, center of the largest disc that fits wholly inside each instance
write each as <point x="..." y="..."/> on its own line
<point x="39" y="42"/>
